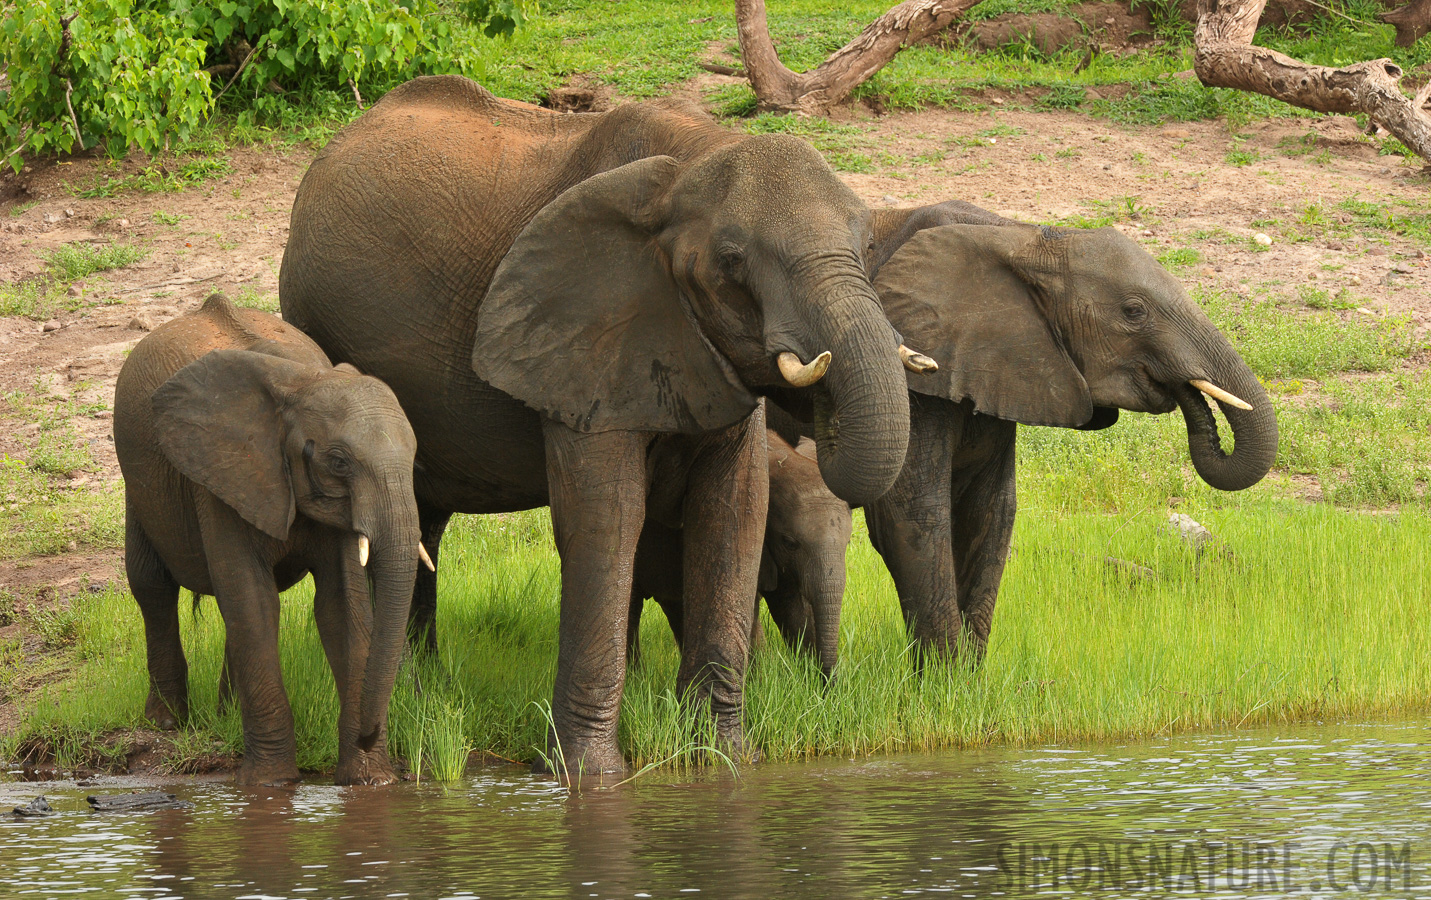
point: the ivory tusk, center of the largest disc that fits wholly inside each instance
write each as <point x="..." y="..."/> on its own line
<point x="362" y="550"/>
<point x="1218" y="394"/>
<point x="917" y="362"/>
<point x="426" y="560"/>
<point x="803" y="375"/>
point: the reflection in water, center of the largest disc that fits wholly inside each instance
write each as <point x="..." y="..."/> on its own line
<point x="1260" y="813"/>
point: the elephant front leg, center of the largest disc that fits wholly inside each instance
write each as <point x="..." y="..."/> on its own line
<point x="597" y="484"/>
<point x="157" y="594"/>
<point x="247" y="597"/>
<point x="343" y="609"/>
<point x="725" y="507"/>
<point x="910" y="528"/>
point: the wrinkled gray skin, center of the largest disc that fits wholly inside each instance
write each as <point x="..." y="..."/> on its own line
<point x="802" y="563"/>
<point x="1042" y="326"/>
<point x="555" y="299"/>
<point x="248" y="462"/>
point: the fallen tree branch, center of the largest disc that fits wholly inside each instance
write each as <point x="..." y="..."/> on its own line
<point x="811" y="93"/>
<point x="722" y="70"/>
<point x="1224" y="56"/>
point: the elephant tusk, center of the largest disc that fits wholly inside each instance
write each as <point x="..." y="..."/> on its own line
<point x="1218" y="394"/>
<point x="803" y="374"/>
<point x="426" y="560"/>
<point x="917" y="362"/>
<point x="363" y="550"/>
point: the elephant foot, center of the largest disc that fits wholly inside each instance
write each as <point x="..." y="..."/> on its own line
<point x="365" y="768"/>
<point x="267" y="772"/>
<point x="577" y="760"/>
<point x="730" y="740"/>
<point x="167" y="715"/>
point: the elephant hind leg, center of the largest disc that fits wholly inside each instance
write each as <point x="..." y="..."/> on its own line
<point x="157" y="593"/>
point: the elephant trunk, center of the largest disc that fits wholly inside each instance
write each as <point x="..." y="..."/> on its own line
<point x="1254" y="431"/>
<point x="825" y="602"/>
<point x="862" y="405"/>
<point x="392" y="569"/>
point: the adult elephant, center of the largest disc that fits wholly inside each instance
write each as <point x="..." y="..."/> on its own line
<point x="553" y="296"/>
<point x="1040" y="326"/>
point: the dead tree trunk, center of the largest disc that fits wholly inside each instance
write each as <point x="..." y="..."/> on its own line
<point x="813" y="92"/>
<point x="1411" y="21"/>
<point x="1224" y="56"/>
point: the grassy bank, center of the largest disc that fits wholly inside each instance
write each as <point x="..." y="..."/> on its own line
<point x="1299" y="612"/>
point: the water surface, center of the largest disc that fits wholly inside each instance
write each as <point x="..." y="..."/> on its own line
<point x="1268" y="812"/>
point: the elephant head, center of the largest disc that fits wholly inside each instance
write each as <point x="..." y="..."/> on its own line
<point x="664" y="296"/>
<point x="802" y="569"/>
<point x="1053" y="326"/>
<point x="274" y="439"/>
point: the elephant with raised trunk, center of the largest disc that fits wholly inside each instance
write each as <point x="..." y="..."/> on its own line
<point x="802" y="563"/>
<point x="553" y="298"/>
<point x="1040" y="326"/>
<point x="250" y="461"/>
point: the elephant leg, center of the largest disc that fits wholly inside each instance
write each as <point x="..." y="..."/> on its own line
<point x="984" y="503"/>
<point x="727" y="494"/>
<point x="157" y="593"/>
<point x="247" y="596"/>
<point x="343" y="609"/>
<point x="422" y="619"/>
<point x="793" y="617"/>
<point x="658" y="576"/>
<point x="910" y="528"/>
<point x="597" y="484"/>
<point x="226" y="686"/>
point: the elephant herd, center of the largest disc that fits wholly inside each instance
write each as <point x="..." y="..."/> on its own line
<point x="693" y="345"/>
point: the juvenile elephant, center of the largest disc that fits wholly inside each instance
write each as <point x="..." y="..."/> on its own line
<point x="1040" y="326"/>
<point x="556" y="298"/>
<point x="249" y="461"/>
<point x="802" y="562"/>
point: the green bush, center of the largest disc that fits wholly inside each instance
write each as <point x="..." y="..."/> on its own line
<point x="142" y="73"/>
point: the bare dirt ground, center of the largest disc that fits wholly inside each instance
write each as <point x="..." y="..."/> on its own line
<point x="1171" y="187"/>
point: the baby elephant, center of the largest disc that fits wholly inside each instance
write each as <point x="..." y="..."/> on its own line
<point x="802" y="566"/>
<point x="249" y="461"/>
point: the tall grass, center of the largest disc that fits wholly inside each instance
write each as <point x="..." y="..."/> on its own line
<point x="1300" y="612"/>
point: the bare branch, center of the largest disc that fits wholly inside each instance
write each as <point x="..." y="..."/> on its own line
<point x="809" y="93"/>
<point x="243" y="65"/>
<point x="1224" y="56"/>
<point x="356" y="96"/>
<point x="70" y="89"/>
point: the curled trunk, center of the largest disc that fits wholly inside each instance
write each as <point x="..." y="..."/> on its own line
<point x="1254" y="431"/>
<point x="862" y="406"/>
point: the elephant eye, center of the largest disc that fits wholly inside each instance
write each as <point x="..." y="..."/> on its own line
<point x="729" y="259"/>
<point x="339" y="465"/>
<point x="1134" y="310"/>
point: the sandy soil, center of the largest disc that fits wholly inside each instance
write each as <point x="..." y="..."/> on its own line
<point x="1035" y="166"/>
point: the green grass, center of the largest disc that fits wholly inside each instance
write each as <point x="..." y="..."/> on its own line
<point x="1309" y="611"/>
<point x="80" y="259"/>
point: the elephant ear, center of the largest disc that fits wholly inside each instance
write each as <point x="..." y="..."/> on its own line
<point x="584" y="322"/>
<point x="962" y="294"/>
<point x="218" y="421"/>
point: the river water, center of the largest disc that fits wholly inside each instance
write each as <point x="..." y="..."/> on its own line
<point x="1298" y="811"/>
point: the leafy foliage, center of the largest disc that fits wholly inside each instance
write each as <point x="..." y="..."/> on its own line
<point x="143" y="73"/>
